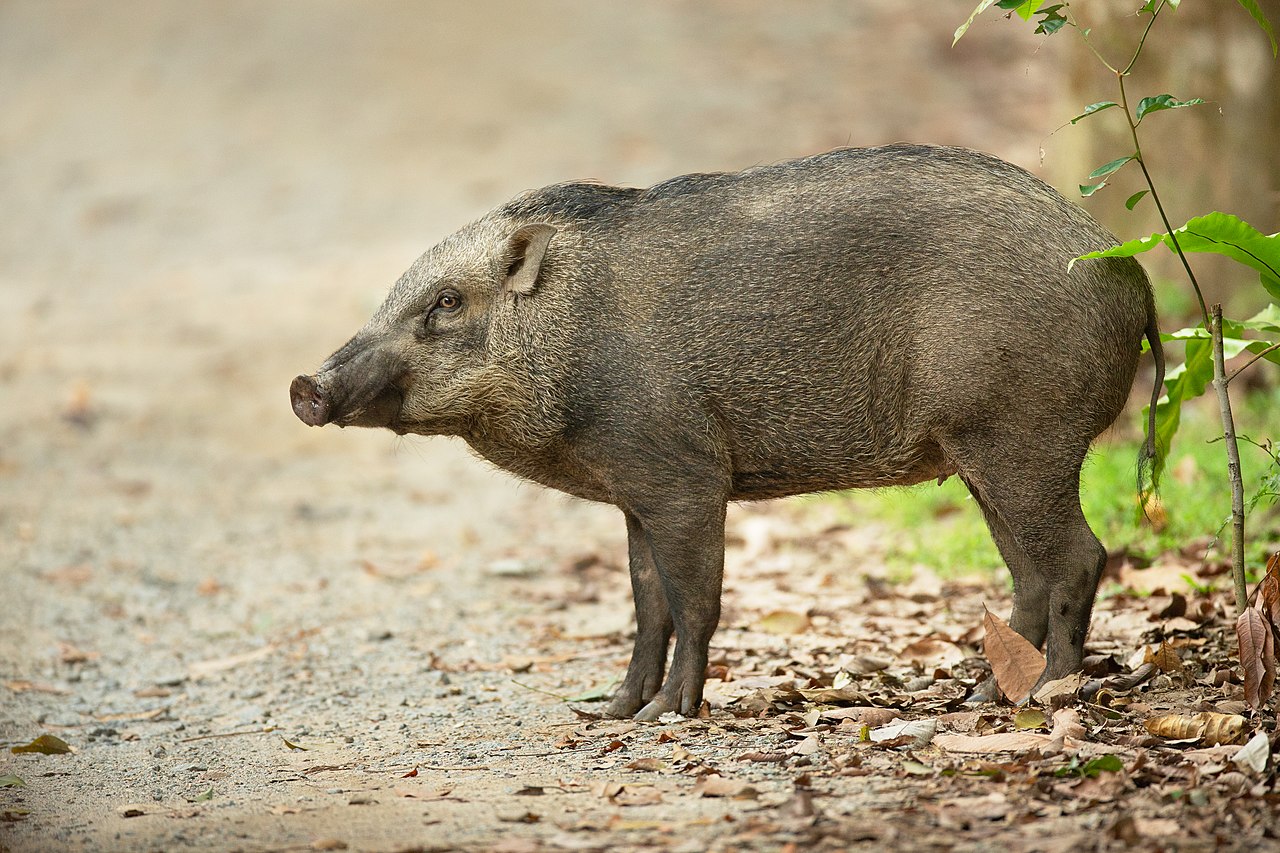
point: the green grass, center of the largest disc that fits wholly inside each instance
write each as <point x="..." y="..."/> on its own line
<point x="941" y="527"/>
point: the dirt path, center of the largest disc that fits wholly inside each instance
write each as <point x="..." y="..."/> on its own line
<point x="202" y="202"/>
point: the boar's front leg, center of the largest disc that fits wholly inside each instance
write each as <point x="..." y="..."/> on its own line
<point x="686" y="539"/>
<point x="653" y="627"/>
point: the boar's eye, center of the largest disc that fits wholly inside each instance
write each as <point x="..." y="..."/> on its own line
<point x="448" y="302"/>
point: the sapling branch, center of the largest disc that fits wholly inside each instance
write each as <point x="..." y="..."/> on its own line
<point x="1155" y="196"/>
<point x="1257" y="357"/>
<point x="1233" y="460"/>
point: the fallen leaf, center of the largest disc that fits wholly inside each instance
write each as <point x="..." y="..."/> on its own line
<point x="1253" y="755"/>
<point x="783" y="622"/>
<point x="867" y="715"/>
<point x="328" y="844"/>
<point x="9" y="780"/>
<point x="21" y="685"/>
<point x="1211" y="727"/>
<point x="69" y="653"/>
<point x="606" y="789"/>
<point x="1016" y="664"/>
<point x="45" y="745"/>
<point x="921" y="731"/>
<point x="647" y="764"/>
<point x="638" y="795"/>
<point x="1165" y="658"/>
<point x="718" y="786"/>
<point x="292" y="745"/>
<point x="932" y="652"/>
<point x="1030" y="718"/>
<point x="1002" y="742"/>
<point x="1067" y="686"/>
<point x="1255" y="639"/>
<point x="808" y="746"/>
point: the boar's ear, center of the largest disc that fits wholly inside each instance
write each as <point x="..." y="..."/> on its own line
<point x="525" y="251"/>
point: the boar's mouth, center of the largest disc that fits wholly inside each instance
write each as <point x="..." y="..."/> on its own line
<point x="317" y="404"/>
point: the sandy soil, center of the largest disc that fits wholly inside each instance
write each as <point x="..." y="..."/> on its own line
<point x="202" y="202"/>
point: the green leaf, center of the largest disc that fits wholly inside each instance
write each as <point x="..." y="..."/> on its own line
<point x="1266" y="320"/>
<point x="1251" y="6"/>
<point x="1095" y="108"/>
<point x="1135" y="198"/>
<point x="963" y="28"/>
<point x="1023" y="8"/>
<point x="1112" y="167"/>
<point x="1053" y="20"/>
<point x="1218" y="233"/>
<point x="1163" y="102"/>
<point x="1087" y="190"/>
<point x="9" y="780"/>
<point x="1184" y="382"/>
<point x="1102" y="764"/>
<point x="45" y="744"/>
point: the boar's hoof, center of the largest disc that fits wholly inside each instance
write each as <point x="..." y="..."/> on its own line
<point x="622" y="707"/>
<point x="308" y="401"/>
<point x="655" y="709"/>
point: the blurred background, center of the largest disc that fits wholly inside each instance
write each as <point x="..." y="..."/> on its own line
<point x="203" y="199"/>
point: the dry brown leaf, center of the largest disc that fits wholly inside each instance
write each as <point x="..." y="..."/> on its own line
<point x="1254" y="754"/>
<point x="1016" y="664"/>
<point x="21" y="685"/>
<point x="1269" y="590"/>
<point x="718" y="786"/>
<point x="1067" y="686"/>
<point x="1066" y="724"/>
<point x="1211" y="727"/>
<point x="932" y="652"/>
<point x="833" y="696"/>
<point x="1165" y="658"/>
<point x="69" y="653"/>
<point x="1003" y="742"/>
<point x="606" y="789"/>
<point x="638" y="795"/>
<point x="1255" y="639"/>
<point x="862" y="714"/>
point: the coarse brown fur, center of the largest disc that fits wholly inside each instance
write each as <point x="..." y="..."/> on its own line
<point x="861" y="318"/>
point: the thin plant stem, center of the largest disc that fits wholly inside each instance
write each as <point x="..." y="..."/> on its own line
<point x="1262" y="354"/>
<point x="1155" y="196"/>
<point x="1233" y="460"/>
<point x="1141" y="41"/>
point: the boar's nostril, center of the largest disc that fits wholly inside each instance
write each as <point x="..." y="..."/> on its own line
<point x="309" y="403"/>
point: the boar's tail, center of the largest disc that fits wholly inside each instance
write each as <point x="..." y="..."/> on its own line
<point x="1149" y="449"/>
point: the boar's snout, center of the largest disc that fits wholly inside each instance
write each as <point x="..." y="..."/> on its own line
<point x="309" y="402"/>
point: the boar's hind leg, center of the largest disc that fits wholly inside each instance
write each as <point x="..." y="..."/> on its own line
<point x="686" y="536"/>
<point x="1030" y="587"/>
<point x="1033" y="507"/>
<point x="653" y="627"/>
